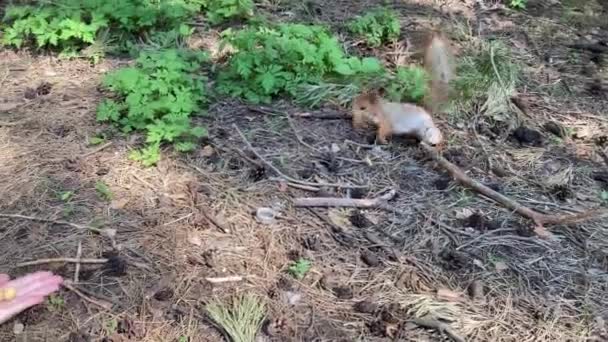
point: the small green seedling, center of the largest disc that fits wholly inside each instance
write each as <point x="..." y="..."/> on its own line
<point x="377" y="27"/>
<point x="299" y="268"/>
<point x="519" y="4"/>
<point x="55" y="303"/>
<point x="104" y="191"/>
<point x="604" y="197"/>
<point x="96" y="140"/>
<point x="65" y="195"/>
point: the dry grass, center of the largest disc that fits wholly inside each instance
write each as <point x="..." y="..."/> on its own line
<point x="535" y="290"/>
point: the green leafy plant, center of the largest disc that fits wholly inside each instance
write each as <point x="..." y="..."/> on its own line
<point x="71" y="25"/>
<point x="104" y="191"/>
<point x="299" y="268"/>
<point x="487" y="78"/>
<point x="65" y="196"/>
<point x="604" y="197"/>
<point x="377" y="27"/>
<point x="221" y="10"/>
<point x="407" y="84"/>
<point x="240" y="320"/>
<point x="157" y="95"/>
<point x="272" y="60"/>
<point x="55" y="303"/>
<point x="519" y="4"/>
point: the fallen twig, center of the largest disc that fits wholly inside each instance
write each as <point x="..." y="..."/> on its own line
<point x="68" y="260"/>
<point x="432" y="323"/>
<point x="290" y="179"/>
<point x="103" y="304"/>
<point x="220" y="280"/>
<point x="97" y="149"/>
<point x="365" y="203"/>
<point x="222" y="227"/>
<point x="103" y="231"/>
<point x="77" y="268"/>
<point x="307" y="115"/>
<point x="539" y="219"/>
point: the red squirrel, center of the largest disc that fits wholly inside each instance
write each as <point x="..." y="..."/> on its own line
<point x="391" y="118"/>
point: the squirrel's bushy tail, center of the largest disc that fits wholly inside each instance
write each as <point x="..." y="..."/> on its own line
<point x="438" y="62"/>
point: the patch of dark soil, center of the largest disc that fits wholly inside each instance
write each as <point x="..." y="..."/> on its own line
<point x="562" y="192"/>
<point x="602" y="177"/>
<point x="343" y="292"/>
<point x="164" y="294"/>
<point x="312" y="242"/>
<point x="442" y="182"/>
<point x="79" y="336"/>
<point x="116" y="265"/>
<point x="359" y="220"/>
<point x="601" y="141"/>
<point x="453" y="260"/>
<point x="307" y="172"/>
<point x="294" y="254"/>
<point x="366" y="307"/>
<point x="555" y="128"/>
<point x="494" y="186"/>
<point x="370" y="258"/>
<point x="257" y="174"/>
<point x="42" y="89"/>
<point x="527" y="136"/>
<point x="330" y="162"/>
<point x="596" y="88"/>
<point x="456" y="157"/>
<point x="358" y="193"/>
<point x="524" y="230"/>
<point x="33" y="315"/>
<point x="480" y="222"/>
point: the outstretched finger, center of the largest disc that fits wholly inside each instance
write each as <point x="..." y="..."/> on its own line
<point x="29" y="282"/>
<point x="4" y="278"/>
<point x="43" y="289"/>
<point x="10" y="309"/>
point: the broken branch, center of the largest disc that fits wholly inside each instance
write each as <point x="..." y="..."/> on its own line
<point x="538" y="218"/>
<point x="106" y="232"/>
<point x="365" y="203"/>
<point x="68" y="260"/>
<point x="432" y="323"/>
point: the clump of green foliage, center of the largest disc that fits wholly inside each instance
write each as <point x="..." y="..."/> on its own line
<point x="241" y="320"/>
<point x="222" y="10"/>
<point x="299" y="268"/>
<point x="519" y="4"/>
<point x="272" y="60"/>
<point x="379" y="26"/>
<point x="487" y="78"/>
<point x="157" y="95"/>
<point x="71" y="25"/>
<point x="404" y="84"/>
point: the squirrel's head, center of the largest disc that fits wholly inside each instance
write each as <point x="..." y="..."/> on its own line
<point x="432" y="136"/>
<point x="365" y="106"/>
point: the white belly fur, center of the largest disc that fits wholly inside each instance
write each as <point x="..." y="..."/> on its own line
<point x="407" y="119"/>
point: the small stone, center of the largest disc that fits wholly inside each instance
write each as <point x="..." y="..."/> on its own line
<point x="18" y="328"/>
<point x="207" y="151"/>
<point x="266" y="215"/>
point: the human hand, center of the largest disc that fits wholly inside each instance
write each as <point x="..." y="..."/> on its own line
<point x="30" y="290"/>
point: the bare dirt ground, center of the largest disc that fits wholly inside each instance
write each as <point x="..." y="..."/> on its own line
<point x="447" y="252"/>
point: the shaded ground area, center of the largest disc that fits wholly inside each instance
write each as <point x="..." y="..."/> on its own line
<point x="190" y="221"/>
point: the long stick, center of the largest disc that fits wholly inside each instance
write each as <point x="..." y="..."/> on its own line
<point x="68" y="260"/>
<point x="539" y="219"/>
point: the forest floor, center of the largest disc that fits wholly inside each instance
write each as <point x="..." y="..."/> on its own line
<point x="446" y="251"/>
